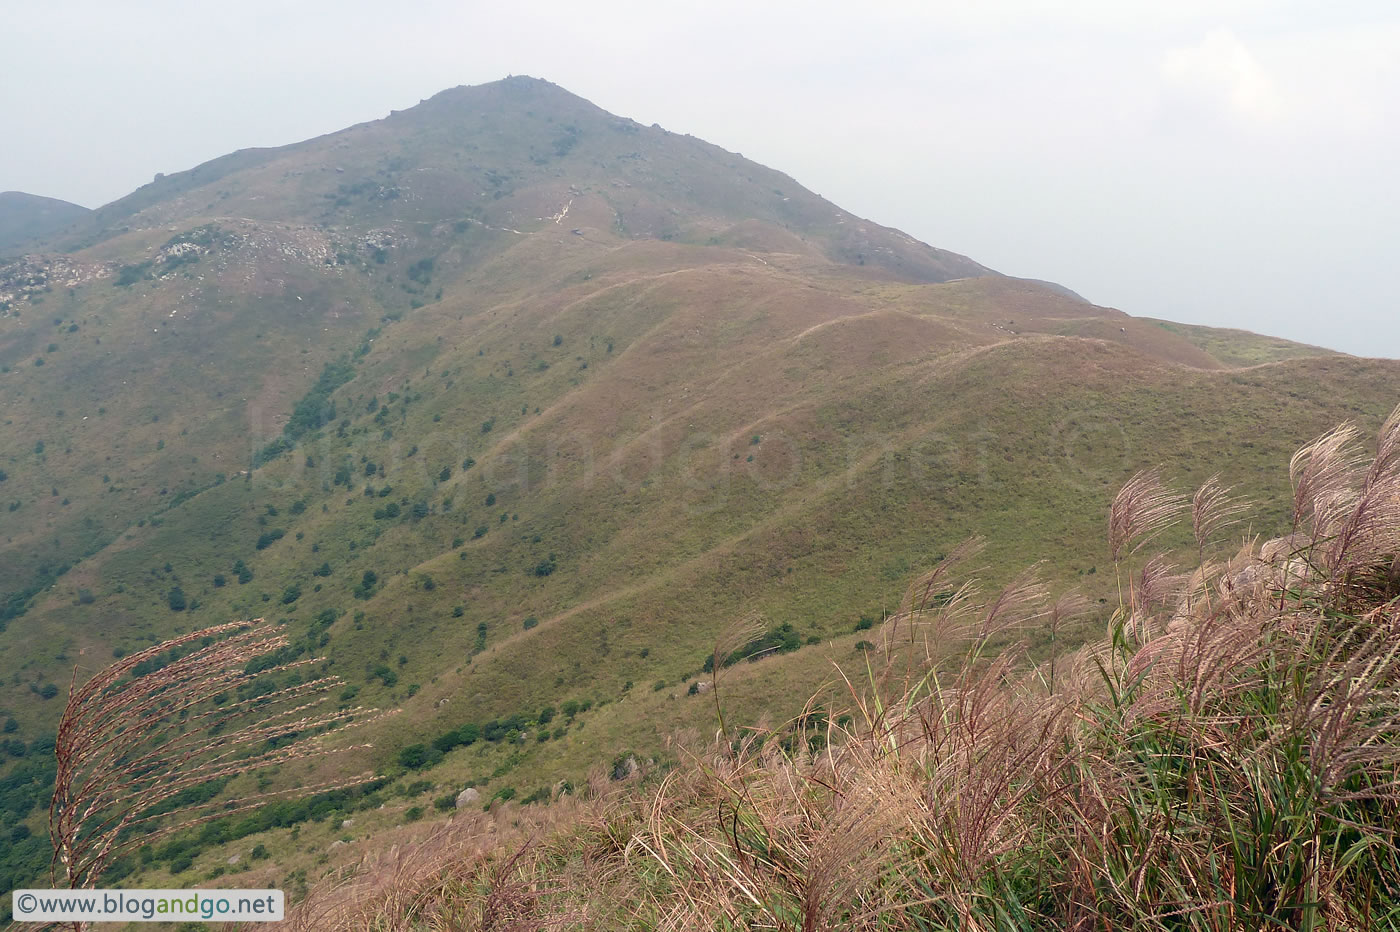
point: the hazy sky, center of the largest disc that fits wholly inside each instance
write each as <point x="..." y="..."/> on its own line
<point x="1230" y="162"/>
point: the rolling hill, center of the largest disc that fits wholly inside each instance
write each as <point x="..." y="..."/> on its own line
<point x="26" y="219"/>
<point x="505" y="403"/>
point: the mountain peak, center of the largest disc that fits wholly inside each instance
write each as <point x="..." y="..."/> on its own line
<point x="509" y="156"/>
<point x="517" y="85"/>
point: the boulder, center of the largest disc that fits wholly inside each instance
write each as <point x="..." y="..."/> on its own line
<point x="467" y="797"/>
<point x="625" y="767"/>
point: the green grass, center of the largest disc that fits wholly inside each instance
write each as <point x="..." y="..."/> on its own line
<point x="1240" y="348"/>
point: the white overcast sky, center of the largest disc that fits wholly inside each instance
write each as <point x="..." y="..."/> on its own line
<point x="1228" y="162"/>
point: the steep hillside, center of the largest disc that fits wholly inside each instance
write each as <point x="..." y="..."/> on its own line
<point x="26" y="219"/>
<point x="503" y="403"/>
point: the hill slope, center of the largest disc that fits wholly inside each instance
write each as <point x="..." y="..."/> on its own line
<point x="503" y="403"/>
<point x="1240" y="347"/>
<point x="27" y="218"/>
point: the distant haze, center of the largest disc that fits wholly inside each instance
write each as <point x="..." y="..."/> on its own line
<point x="1227" y="162"/>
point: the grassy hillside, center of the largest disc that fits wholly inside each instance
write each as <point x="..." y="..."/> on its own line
<point x="1240" y="347"/>
<point x="1224" y="759"/>
<point x="505" y="404"/>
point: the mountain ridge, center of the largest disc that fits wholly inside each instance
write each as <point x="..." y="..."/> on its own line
<point x="28" y="219"/>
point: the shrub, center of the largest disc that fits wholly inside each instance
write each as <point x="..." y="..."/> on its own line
<point x="129" y="275"/>
<point x="176" y="599"/>
<point x="367" y="585"/>
<point x="268" y="538"/>
<point x="415" y="756"/>
<point x="315" y="409"/>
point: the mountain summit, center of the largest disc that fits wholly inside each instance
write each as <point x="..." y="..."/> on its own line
<point x="518" y="153"/>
